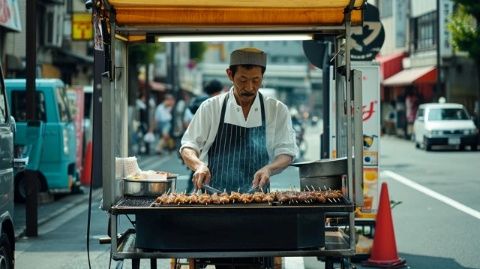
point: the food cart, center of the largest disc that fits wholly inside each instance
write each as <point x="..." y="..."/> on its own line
<point x="302" y="230"/>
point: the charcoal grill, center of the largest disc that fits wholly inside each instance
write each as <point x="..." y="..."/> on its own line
<point x="208" y="231"/>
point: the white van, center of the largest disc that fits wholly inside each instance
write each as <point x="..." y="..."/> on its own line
<point x="444" y="124"/>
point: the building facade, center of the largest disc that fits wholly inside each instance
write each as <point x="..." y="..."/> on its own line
<point x="59" y="55"/>
<point x="419" y="64"/>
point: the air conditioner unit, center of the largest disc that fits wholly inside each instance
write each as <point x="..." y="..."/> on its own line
<point x="53" y="25"/>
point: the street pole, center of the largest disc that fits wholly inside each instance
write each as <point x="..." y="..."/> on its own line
<point x="439" y="59"/>
<point x="31" y="203"/>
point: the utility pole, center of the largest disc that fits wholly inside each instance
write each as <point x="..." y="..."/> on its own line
<point x="31" y="203"/>
<point x="439" y="56"/>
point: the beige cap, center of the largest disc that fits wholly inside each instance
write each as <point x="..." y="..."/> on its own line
<point x="248" y="56"/>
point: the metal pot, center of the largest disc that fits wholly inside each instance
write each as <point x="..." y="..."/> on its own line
<point x="148" y="187"/>
<point x="322" y="173"/>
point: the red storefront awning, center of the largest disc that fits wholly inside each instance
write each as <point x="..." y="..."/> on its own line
<point x="390" y="64"/>
<point x="417" y="75"/>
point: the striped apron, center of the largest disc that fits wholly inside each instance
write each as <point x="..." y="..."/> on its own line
<point x="237" y="153"/>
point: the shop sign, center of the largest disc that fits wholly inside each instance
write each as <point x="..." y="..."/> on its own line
<point x="82" y="26"/>
<point x="9" y="15"/>
<point x="367" y="40"/>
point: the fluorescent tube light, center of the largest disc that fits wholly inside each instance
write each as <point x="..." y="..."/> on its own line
<point x="213" y="38"/>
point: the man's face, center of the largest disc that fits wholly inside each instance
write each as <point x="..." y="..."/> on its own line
<point x="246" y="82"/>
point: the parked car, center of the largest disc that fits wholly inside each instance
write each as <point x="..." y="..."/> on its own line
<point x="49" y="142"/>
<point x="444" y="124"/>
<point x="7" y="131"/>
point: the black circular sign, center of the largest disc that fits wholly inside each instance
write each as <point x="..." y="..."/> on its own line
<point x="367" y="40"/>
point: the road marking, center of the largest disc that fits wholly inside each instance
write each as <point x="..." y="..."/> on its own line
<point x="442" y="198"/>
<point x="293" y="262"/>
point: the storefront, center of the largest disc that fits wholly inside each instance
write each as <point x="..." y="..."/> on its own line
<point x="9" y="22"/>
<point x="404" y="91"/>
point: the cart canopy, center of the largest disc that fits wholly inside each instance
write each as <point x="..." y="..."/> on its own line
<point x="137" y="18"/>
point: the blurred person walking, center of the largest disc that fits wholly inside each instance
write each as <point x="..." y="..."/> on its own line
<point x="163" y="124"/>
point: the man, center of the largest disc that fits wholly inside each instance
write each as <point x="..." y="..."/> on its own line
<point x="239" y="139"/>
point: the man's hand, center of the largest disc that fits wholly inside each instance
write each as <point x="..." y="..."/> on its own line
<point x="201" y="176"/>
<point x="261" y="177"/>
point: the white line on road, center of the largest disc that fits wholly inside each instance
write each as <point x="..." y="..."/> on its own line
<point x="470" y="211"/>
<point x="293" y="262"/>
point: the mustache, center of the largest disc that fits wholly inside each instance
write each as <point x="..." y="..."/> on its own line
<point x="247" y="94"/>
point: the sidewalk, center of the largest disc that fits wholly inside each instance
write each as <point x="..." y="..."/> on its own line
<point x="50" y="210"/>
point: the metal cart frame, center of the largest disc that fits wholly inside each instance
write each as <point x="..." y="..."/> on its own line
<point x="118" y="23"/>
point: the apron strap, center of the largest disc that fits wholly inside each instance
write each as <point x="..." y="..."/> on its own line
<point x="262" y="110"/>
<point x="224" y="107"/>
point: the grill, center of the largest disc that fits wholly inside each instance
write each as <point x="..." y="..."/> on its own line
<point x="447" y="132"/>
<point x="232" y="227"/>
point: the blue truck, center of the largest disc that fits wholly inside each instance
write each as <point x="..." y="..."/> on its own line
<point x="49" y="141"/>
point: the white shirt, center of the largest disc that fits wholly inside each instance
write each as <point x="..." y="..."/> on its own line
<point x="163" y="113"/>
<point x="203" y="128"/>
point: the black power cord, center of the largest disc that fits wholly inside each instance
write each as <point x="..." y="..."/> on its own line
<point x="89" y="219"/>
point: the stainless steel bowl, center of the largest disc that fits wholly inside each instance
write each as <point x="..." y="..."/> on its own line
<point x="147" y="187"/>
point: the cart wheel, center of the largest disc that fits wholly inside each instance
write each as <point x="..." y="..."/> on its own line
<point x="329" y="263"/>
<point x="345" y="263"/>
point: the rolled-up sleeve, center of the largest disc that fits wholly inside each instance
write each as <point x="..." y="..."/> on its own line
<point x="285" y="141"/>
<point x="197" y="132"/>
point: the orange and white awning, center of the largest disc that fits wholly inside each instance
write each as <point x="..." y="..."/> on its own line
<point x="137" y="17"/>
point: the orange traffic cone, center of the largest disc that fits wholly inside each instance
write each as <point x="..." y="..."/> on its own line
<point x="87" y="165"/>
<point x="384" y="249"/>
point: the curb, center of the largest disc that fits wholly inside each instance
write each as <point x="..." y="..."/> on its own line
<point x="67" y="206"/>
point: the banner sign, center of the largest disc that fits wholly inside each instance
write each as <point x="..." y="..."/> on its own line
<point x="9" y="15"/>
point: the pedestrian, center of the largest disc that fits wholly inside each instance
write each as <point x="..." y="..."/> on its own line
<point x="163" y="123"/>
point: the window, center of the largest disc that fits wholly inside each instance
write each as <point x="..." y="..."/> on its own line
<point x="53" y="25"/>
<point x="3" y="105"/>
<point x="385" y="8"/>
<point x="424" y="31"/>
<point x="62" y="105"/>
<point x="19" y="105"/>
<point x="447" y="114"/>
<point x="419" y="113"/>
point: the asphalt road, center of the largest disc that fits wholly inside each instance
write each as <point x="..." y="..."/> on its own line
<point x="436" y="226"/>
<point x="431" y="231"/>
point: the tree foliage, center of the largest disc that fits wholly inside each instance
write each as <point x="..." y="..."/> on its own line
<point x="143" y="53"/>
<point x="197" y="50"/>
<point x="465" y="27"/>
